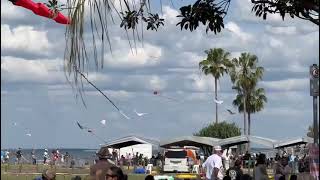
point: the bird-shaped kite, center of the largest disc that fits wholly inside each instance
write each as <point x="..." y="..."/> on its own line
<point x="140" y="114"/>
<point x="43" y="10"/>
<point x="230" y="111"/>
<point x="218" y="101"/>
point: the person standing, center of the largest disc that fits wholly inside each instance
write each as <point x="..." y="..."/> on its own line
<point x="6" y="156"/>
<point x="19" y="155"/>
<point x="235" y="172"/>
<point x="99" y="170"/>
<point x="45" y="156"/>
<point x="260" y="171"/>
<point x="33" y="156"/>
<point x="213" y="165"/>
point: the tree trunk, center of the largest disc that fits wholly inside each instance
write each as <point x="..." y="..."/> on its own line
<point x="249" y="131"/>
<point x="244" y="116"/>
<point x="216" y="97"/>
<point x="249" y="124"/>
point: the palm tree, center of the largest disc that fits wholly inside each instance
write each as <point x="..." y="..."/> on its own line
<point x="254" y="103"/>
<point x="216" y="64"/>
<point x="245" y="75"/>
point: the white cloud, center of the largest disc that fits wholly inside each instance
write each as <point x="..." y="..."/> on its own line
<point x="140" y="57"/>
<point x="234" y="28"/>
<point x="286" y="85"/>
<point x="195" y="83"/>
<point x="12" y="12"/>
<point x="24" y="39"/>
<point x="281" y="30"/>
<point x="18" y="69"/>
<point x="156" y="83"/>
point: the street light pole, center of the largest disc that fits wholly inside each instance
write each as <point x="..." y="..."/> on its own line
<point x="315" y="120"/>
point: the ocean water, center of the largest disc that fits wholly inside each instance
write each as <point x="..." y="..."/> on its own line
<point x="79" y="155"/>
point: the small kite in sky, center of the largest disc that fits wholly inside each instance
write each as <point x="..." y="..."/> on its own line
<point x="28" y="134"/>
<point x="218" y="101"/>
<point x="140" y="114"/>
<point x="42" y="9"/>
<point x="230" y="111"/>
<point x="15" y="124"/>
<point x="103" y="122"/>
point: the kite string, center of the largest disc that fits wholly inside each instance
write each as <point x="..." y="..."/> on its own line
<point x="97" y="89"/>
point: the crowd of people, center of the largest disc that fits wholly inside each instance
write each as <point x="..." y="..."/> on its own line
<point x="55" y="158"/>
<point x="226" y="166"/>
<point x="221" y="165"/>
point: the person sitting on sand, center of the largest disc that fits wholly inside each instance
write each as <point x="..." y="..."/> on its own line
<point x="99" y="170"/>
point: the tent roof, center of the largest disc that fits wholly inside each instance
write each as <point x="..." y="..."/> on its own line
<point x="245" y="139"/>
<point x="129" y="141"/>
<point x="189" y="141"/>
<point x="293" y="142"/>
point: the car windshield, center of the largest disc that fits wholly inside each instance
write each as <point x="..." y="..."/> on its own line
<point x="176" y="154"/>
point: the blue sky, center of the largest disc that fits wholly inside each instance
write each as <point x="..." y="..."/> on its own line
<point x="36" y="96"/>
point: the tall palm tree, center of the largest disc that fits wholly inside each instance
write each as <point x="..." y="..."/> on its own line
<point x="216" y="64"/>
<point x="245" y="75"/>
<point x="254" y="103"/>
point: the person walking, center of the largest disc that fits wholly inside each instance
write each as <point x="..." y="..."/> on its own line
<point x="213" y="165"/>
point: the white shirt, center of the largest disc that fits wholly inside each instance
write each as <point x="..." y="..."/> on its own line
<point x="213" y="161"/>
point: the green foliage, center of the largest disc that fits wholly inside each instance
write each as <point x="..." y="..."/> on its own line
<point x="310" y="132"/>
<point x="217" y="62"/>
<point x="220" y="130"/>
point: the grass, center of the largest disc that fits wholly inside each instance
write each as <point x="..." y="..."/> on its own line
<point x="29" y="172"/>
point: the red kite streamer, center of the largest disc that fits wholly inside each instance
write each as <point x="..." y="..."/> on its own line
<point x="42" y="10"/>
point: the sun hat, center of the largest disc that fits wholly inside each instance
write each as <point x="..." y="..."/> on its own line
<point x="104" y="153"/>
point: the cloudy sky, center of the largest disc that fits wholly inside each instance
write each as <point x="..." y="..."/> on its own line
<point x="36" y="96"/>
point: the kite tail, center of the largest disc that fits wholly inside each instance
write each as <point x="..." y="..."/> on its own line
<point x="62" y="19"/>
<point x="98" y="137"/>
<point x="170" y="98"/>
<point x="41" y="10"/>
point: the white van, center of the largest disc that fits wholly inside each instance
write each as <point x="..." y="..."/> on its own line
<point x="177" y="160"/>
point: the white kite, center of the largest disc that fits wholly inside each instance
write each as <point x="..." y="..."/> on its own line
<point x="103" y="122"/>
<point x="15" y="124"/>
<point x="140" y="114"/>
<point x="28" y="134"/>
<point x="218" y="101"/>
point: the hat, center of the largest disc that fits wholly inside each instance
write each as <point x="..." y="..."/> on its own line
<point x="217" y="148"/>
<point x="49" y="174"/>
<point x="103" y="153"/>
